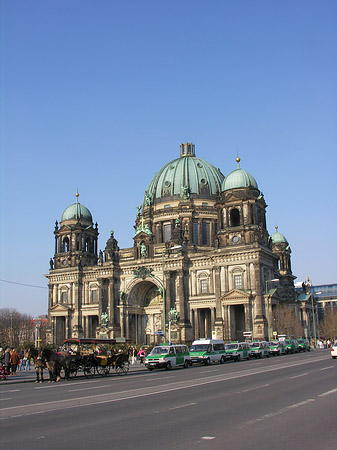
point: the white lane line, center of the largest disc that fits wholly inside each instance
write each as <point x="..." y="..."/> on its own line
<point x="207" y="438"/>
<point x="9" y="398"/>
<point x="61" y="384"/>
<point x="253" y="389"/>
<point x="12" y="390"/>
<point x="182" y="406"/>
<point x="327" y="393"/>
<point x="88" y="389"/>
<point x="329" y="367"/>
<point x="298" y="376"/>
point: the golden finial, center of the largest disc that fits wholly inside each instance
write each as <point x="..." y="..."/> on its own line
<point x="276" y="227"/>
<point x="77" y="195"/>
<point x="237" y="159"/>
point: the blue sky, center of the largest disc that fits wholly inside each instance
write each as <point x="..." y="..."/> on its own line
<point x="99" y="95"/>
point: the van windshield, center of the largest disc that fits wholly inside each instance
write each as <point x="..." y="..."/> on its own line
<point x="160" y="350"/>
<point x="255" y="344"/>
<point x="199" y="348"/>
<point x="232" y="346"/>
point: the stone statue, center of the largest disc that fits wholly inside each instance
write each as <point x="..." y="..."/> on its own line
<point x="122" y="296"/>
<point x="143" y="252"/>
<point x="139" y="208"/>
<point x="51" y="263"/>
<point x="104" y="319"/>
<point x="100" y="257"/>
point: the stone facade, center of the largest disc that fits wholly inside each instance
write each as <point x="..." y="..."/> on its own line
<point x="200" y="257"/>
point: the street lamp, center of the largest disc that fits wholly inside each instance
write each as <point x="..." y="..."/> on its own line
<point x="268" y="312"/>
<point x="37" y="337"/>
<point x="176" y="247"/>
<point x="314" y="316"/>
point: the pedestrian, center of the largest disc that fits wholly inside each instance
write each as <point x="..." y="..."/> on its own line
<point x="14" y="361"/>
<point x="133" y="355"/>
<point x="7" y="360"/>
<point x="27" y="365"/>
<point x="141" y="355"/>
<point x="22" y="361"/>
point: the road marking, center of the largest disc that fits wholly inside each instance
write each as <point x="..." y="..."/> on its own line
<point x="182" y="406"/>
<point x="12" y="390"/>
<point x="253" y="389"/>
<point x="297" y="376"/>
<point x="9" y="398"/>
<point x="61" y="384"/>
<point x="88" y="389"/>
<point x="330" y="367"/>
<point x="327" y="393"/>
<point x="208" y="438"/>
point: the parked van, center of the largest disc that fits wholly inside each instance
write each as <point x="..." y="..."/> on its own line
<point x="238" y="350"/>
<point x="207" y="351"/>
<point x="168" y="356"/>
<point x="277" y="348"/>
<point x="258" y="349"/>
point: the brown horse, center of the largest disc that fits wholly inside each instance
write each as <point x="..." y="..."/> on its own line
<point x="33" y="353"/>
<point x="55" y="362"/>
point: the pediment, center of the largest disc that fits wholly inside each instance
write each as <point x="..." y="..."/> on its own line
<point x="236" y="295"/>
<point x="59" y="308"/>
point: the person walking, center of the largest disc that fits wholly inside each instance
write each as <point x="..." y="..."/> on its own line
<point x="14" y="361"/>
<point x="141" y="355"/>
<point x="133" y="355"/>
<point x="7" y="360"/>
<point x="21" y="362"/>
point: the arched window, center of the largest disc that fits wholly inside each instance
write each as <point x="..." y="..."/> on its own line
<point x="235" y="217"/>
<point x="195" y="232"/>
<point x="65" y="244"/>
<point x="167" y="231"/>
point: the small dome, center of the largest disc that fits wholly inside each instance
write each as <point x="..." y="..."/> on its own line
<point x="184" y="176"/>
<point x="278" y="238"/>
<point x="76" y="211"/>
<point x="238" y="179"/>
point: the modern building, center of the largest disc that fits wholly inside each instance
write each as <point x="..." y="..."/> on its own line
<point x="202" y="263"/>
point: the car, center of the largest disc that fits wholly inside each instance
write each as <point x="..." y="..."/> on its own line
<point x="334" y="351"/>
<point x="258" y="349"/>
<point x="291" y="346"/>
<point x="167" y="356"/>
<point x="303" y="345"/>
<point x="238" y="351"/>
<point x="277" y="348"/>
<point x="207" y="351"/>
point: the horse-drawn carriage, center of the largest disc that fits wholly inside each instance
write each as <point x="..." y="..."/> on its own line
<point x="96" y="356"/>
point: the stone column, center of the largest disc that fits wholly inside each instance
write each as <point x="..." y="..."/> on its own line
<point x="260" y="329"/>
<point x="167" y="292"/>
<point x="217" y="292"/>
<point x="111" y="301"/>
<point x="181" y="296"/>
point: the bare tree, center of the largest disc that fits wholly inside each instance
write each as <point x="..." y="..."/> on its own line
<point x="16" y="329"/>
<point x="286" y="322"/>
<point x="328" y="326"/>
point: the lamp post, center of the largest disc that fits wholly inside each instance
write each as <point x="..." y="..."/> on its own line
<point x="268" y="312"/>
<point x="176" y="247"/>
<point x="11" y="331"/>
<point x="314" y="317"/>
<point x="37" y="337"/>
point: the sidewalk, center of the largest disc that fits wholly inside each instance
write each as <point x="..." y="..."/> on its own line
<point x="29" y="376"/>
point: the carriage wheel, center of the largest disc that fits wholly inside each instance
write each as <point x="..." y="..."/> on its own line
<point x="89" y="370"/>
<point x="73" y="370"/>
<point x="103" y="370"/>
<point x="122" y="368"/>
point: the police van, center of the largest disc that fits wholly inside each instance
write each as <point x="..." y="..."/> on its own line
<point x="168" y="356"/>
<point x="207" y="351"/>
<point x="238" y="350"/>
<point x="258" y="349"/>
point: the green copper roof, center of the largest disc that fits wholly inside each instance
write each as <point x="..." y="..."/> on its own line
<point x="184" y="176"/>
<point x="278" y="238"/>
<point x="76" y="211"/>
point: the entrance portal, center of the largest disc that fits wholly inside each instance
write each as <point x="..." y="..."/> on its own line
<point x="237" y="322"/>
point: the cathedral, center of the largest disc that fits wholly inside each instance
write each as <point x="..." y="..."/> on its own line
<point x="202" y="263"/>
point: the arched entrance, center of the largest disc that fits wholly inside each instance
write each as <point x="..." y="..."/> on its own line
<point x="144" y="313"/>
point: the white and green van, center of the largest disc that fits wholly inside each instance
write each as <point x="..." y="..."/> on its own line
<point x="168" y="356"/>
<point x="238" y="350"/>
<point x="277" y="348"/>
<point x="258" y="349"/>
<point x="208" y="351"/>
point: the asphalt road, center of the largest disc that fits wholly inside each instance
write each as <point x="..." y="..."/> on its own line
<point x="279" y="403"/>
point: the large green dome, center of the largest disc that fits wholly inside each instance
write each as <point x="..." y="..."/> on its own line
<point x="76" y="211"/>
<point x="185" y="176"/>
<point x="278" y="238"/>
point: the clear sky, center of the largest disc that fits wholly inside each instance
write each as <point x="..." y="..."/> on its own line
<point x="98" y="96"/>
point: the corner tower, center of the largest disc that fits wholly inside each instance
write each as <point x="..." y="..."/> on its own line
<point x="75" y="238"/>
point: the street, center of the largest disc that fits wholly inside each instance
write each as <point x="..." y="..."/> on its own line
<point x="286" y="402"/>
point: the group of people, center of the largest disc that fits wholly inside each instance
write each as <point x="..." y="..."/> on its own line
<point x="326" y="343"/>
<point x="13" y="361"/>
<point x="137" y="354"/>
